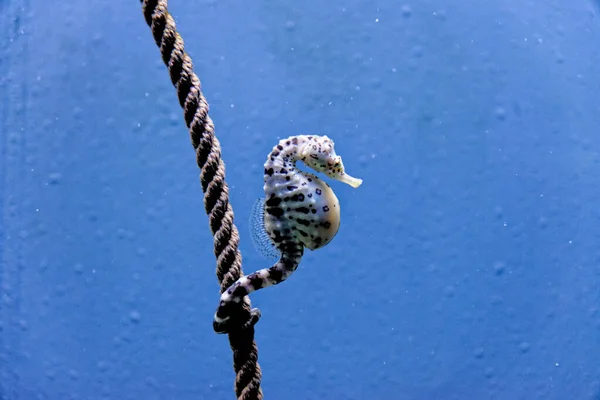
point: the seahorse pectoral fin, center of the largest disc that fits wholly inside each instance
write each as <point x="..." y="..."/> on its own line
<point x="350" y="180"/>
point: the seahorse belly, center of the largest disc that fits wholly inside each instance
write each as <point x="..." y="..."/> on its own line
<point x="304" y="208"/>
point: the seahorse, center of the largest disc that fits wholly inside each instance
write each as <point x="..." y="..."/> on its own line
<point x="299" y="211"/>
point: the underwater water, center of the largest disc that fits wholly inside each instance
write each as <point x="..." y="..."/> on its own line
<point x="467" y="265"/>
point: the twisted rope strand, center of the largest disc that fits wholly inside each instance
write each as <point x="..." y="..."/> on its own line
<point x="216" y="192"/>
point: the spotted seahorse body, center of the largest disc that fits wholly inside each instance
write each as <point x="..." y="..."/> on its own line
<point x="300" y="210"/>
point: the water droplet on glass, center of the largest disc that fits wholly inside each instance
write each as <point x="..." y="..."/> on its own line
<point x="134" y="317"/>
<point x="524" y="347"/>
<point x="500" y="113"/>
<point x="78" y="269"/>
<point x="54" y="178"/>
<point x="499" y="268"/>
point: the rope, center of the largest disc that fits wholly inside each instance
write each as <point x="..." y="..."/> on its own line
<point x="216" y="193"/>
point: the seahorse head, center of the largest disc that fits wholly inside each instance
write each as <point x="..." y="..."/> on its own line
<point x="319" y="154"/>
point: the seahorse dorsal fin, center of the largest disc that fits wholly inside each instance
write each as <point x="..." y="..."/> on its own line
<point x="260" y="238"/>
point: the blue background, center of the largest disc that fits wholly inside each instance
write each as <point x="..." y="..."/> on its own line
<point x="466" y="267"/>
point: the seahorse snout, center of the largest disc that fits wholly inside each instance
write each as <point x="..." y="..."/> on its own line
<point x="350" y="180"/>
